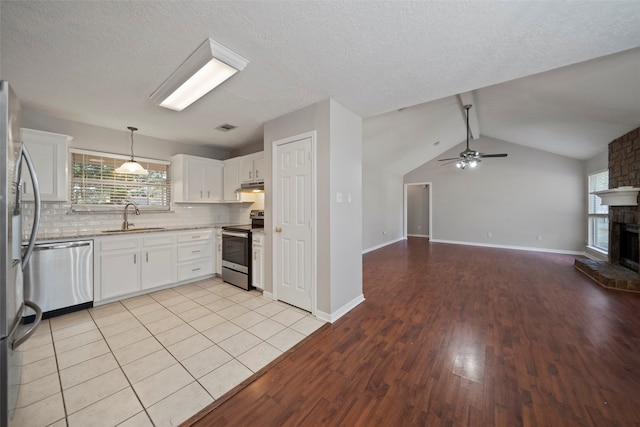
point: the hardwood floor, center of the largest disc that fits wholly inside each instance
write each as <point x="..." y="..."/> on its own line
<point x="455" y="335"/>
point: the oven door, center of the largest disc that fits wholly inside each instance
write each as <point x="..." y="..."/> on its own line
<point x="235" y="251"/>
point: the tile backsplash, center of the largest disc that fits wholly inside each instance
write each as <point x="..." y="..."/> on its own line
<point x="57" y="219"/>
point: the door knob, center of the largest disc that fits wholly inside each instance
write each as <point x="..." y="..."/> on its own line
<point x="278" y="229"/>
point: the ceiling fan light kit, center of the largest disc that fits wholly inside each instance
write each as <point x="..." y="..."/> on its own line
<point x="468" y="157"/>
<point x="462" y="164"/>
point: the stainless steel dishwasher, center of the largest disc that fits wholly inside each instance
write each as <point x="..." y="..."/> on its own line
<point x="59" y="277"/>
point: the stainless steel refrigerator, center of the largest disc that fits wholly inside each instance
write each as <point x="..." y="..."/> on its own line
<point x="12" y="258"/>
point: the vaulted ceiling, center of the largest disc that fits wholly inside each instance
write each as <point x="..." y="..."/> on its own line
<point x="558" y="76"/>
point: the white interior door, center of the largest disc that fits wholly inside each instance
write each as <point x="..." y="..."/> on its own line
<point x="293" y="221"/>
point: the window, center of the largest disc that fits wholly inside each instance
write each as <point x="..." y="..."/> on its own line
<point x="94" y="182"/>
<point x="598" y="214"/>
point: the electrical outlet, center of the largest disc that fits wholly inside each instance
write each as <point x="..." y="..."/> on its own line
<point x="539" y="237"/>
<point x="489" y="234"/>
<point x="384" y="233"/>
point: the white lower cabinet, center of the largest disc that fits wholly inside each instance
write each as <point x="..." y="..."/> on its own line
<point x="120" y="273"/>
<point x="140" y="262"/>
<point x="219" y="251"/>
<point x="257" y="266"/>
<point x="158" y="263"/>
<point x="117" y="266"/>
<point x="195" y="254"/>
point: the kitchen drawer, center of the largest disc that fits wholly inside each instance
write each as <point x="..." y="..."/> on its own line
<point x="193" y="269"/>
<point x="158" y="240"/>
<point x="118" y="244"/>
<point x="195" y="236"/>
<point x="198" y="250"/>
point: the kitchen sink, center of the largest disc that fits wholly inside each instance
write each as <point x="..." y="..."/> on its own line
<point x="131" y="230"/>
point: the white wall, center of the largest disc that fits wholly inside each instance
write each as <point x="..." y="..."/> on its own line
<point x="382" y="207"/>
<point x="249" y="149"/>
<point x="597" y="163"/>
<point x="338" y="134"/>
<point x="58" y="218"/>
<point x="314" y="117"/>
<point x="0" y="46"/>
<point x="346" y="216"/>
<point x="508" y="201"/>
<point x="418" y="210"/>
<point x="97" y="138"/>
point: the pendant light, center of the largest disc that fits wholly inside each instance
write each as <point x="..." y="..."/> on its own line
<point x="132" y="167"/>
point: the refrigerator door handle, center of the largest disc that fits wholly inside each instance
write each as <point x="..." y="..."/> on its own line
<point x="36" y="203"/>
<point x="20" y="340"/>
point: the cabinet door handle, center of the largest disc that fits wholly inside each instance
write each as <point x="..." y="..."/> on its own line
<point x="254" y="256"/>
<point x="135" y="259"/>
<point x="195" y="237"/>
<point x="250" y="175"/>
<point x="196" y="269"/>
<point x="147" y="256"/>
<point x="257" y="174"/>
<point x="195" y="252"/>
<point x="201" y="194"/>
<point x="208" y="194"/>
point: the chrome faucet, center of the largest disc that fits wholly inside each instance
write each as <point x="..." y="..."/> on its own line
<point x="127" y="224"/>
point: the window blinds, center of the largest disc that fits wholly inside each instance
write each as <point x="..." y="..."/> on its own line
<point x="94" y="181"/>
<point x="598" y="182"/>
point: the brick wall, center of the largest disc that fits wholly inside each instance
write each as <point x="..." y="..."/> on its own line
<point x="624" y="170"/>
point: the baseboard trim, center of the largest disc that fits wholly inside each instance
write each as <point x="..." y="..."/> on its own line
<point x="517" y="248"/>
<point x="382" y="245"/>
<point x="332" y="317"/>
<point x="267" y="295"/>
<point x="418" y="235"/>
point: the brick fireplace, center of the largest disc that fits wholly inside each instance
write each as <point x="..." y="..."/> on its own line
<point x="624" y="170"/>
<point x="621" y="271"/>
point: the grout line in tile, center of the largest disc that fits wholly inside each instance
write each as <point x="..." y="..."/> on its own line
<point x="169" y="296"/>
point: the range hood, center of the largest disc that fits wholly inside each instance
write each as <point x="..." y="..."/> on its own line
<point x="252" y="187"/>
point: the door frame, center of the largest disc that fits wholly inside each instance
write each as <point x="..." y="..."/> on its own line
<point x="314" y="223"/>
<point x="406" y="206"/>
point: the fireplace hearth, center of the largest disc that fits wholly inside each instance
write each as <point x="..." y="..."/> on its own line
<point x="621" y="271"/>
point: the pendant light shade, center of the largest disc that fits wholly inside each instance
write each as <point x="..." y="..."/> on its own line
<point x="132" y="167"/>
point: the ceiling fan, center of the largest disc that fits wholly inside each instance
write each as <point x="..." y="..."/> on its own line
<point x="470" y="157"/>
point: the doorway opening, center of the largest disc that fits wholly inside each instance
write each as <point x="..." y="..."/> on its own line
<point x="417" y="210"/>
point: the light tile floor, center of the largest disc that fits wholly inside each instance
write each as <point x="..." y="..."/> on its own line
<point x="152" y="360"/>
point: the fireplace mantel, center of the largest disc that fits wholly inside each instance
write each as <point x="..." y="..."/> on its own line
<point x="621" y="196"/>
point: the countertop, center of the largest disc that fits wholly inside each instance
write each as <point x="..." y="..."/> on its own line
<point x="88" y="234"/>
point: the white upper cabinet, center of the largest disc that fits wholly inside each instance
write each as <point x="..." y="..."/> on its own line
<point x="232" y="183"/>
<point x="251" y="167"/>
<point x="49" y="152"/>
<point x="196" y="179"/>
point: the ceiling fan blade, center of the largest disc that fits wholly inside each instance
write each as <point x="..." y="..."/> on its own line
<point x="449" y="161"/>
<point x="484" y="156"/>
<point x="444" y="160"/>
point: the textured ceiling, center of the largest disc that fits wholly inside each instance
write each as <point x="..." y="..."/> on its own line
<point x="97" y="62"/>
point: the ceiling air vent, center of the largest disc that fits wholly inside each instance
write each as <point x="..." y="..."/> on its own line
<point x="226" y="127"/>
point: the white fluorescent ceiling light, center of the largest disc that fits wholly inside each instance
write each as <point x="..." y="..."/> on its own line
<point x="207" y="67"/>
